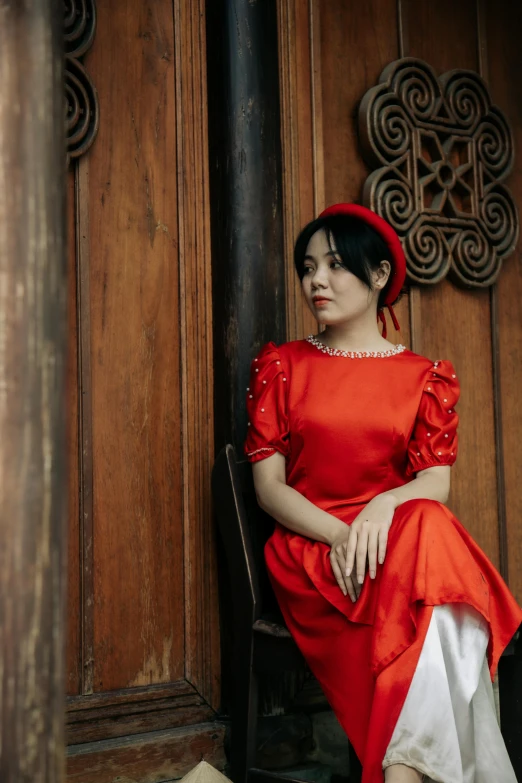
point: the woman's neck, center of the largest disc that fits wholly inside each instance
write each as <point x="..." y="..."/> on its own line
<point x="354" y="336"/>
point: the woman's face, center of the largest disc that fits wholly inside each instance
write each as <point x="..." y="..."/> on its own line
<point x="332" y="292"/>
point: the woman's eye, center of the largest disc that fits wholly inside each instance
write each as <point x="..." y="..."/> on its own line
<point x="307" y="269"/>
<point x="335" y="264"/>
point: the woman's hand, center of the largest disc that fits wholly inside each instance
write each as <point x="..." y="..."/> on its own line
<point x="338" y="555"/>
<point x="366" y="538"/>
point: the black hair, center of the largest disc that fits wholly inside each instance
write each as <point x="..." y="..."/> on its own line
<point x="360" y="248"/>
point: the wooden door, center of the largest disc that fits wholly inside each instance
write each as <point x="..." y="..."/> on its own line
<point x="332" y="53"/>
<point x="143" y="645"/>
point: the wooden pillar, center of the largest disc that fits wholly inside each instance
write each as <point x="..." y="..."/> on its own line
<point x="245" y="199"/>
<point x="32" y="399"/>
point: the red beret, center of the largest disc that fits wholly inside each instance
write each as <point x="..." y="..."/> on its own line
<point x="397" y="258"/>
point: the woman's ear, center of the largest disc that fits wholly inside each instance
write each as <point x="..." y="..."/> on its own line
<point x="380" y="276"/>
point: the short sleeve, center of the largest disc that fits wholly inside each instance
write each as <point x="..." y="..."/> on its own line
<point x="434" y="439"/>
<point x="267" y="428"/>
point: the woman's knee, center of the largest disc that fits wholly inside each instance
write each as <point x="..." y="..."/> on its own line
<point x="423" y="506"/>
<point x="422" y="513"/>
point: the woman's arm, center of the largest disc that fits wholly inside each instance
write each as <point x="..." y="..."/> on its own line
<point x="367" y="536"/>
<point x="288" y="506"/>
<point x="430" y="484"/>
<point x="365" y="539"/>
<point x="298" y="514"/>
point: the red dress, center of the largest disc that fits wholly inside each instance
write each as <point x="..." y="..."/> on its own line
<point x="351" y="428"/>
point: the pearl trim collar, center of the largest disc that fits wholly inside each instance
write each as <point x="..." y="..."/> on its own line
<point x="354" y="354"/>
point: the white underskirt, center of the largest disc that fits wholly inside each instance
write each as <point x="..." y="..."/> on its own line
<point x="448" y="728"/>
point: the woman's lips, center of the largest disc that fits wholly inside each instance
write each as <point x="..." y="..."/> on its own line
<point x="320" y="302"/>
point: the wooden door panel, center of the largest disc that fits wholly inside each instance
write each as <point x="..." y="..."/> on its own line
<point x="138" y="630"/>
<point x="372" y="33"/>
<point x="443" y="33"/>
<point x="143" y="622"/>
<point x="503" y="26"/>
<point x="321" y="84"/>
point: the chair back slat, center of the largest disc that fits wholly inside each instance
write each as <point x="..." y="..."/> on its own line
<point x="259" y="528"/>
<point x="244" y="529"/>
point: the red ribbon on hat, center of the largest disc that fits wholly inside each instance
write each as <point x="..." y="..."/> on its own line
<point x="397" y="258"/>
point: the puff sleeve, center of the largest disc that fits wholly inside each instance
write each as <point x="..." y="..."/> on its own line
<point x="434" y="438"/>
<point x="267" y="428"/>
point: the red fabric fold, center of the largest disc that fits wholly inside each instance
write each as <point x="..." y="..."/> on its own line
<point x="431" y="560"/>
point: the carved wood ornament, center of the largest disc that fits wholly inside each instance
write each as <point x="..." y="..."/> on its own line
<point x="82" y="115"/>
<point x="441" y="150"/>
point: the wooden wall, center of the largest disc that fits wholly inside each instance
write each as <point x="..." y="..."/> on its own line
<point x="143" y="641"/>
<point x="331" y="53"/>
<point x="503" y="24"/>
<point x="143" y="631"/>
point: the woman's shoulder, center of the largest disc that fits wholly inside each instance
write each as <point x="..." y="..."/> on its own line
<point x="288" y="349"/>
<point x="441" y="369"/>
<point x="426" y="361"/>
<point x="292" y="346"/>
<point x="282" y="356"/>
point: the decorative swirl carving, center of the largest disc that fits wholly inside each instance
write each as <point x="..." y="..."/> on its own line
<point x="475" y="261"/>
<point x="466" y="97"/>
<point x="81" y="97"/>
<point x="396" y="135"/>
<point x="82" y="109"/>
<point x="396" y="203"/>
<point x="427" y="263"/>
<point x="80" y="26"/>
<point x="440" y="149"/>
<point x="499" y="218"/>
<point x="495" y="145"/>
<point x="417" y="88"/>
<point x="417" y="96"/>
<point x="389" y="129"/>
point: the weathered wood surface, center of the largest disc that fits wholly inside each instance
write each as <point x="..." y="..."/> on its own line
<point x="134" y="711"/>
<point x="74" y="629"/>
<point x="33" y="355"/>
<point x="159" y="756"/>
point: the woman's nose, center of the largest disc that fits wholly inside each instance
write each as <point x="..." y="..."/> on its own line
<point x="318" y="277"/>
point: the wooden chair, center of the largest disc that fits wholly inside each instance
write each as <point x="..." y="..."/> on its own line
<point x="261" y="641"/>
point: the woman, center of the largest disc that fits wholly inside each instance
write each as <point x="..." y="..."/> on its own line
<point x="399" y="614"/>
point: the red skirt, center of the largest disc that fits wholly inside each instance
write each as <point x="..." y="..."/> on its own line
<point x="364" y="654"/>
